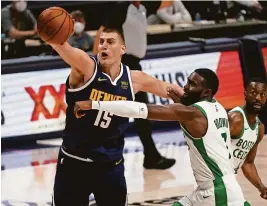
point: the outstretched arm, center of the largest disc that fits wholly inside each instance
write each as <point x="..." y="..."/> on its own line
<point x="82" y="66"/>
<point x="189" y="116"/>
<point x="75" y="57"/>
<point x="146" y="83"/>
<point x="249" y="168"/>
<point x="172" y="112"/>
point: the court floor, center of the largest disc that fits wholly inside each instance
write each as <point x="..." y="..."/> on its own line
<point x="27" y="175"/>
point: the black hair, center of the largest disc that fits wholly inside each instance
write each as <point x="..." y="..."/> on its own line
<point x="117" y="30"/>
<point x="256" y="80"/>
<point x="211" y="79"/>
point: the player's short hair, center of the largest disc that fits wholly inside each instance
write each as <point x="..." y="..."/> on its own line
<point x="211" y="79"/>
<point x="117" y="30"/>
<point x="77" y="14"/>
<point x="256" y="80"/>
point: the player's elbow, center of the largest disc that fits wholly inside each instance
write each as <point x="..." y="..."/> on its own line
<point x="71" y="55"/>
<point x="247" y="164"/>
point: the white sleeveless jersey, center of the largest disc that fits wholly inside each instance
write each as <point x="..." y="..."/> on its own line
<point x="242" y="145"/>
<point x="210" y="155"/>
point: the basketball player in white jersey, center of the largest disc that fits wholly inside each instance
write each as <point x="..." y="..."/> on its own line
<point x="205" y="125"/>
<point x="247" y="132"/>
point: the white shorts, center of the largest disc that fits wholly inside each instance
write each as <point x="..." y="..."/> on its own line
<point x="223" y="191"/>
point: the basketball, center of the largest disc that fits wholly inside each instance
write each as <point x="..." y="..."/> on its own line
<point x="55" y="25"/>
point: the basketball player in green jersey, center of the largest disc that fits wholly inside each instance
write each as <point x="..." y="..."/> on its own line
<point x="247" y="132"/>
<point x="205" y="125"/>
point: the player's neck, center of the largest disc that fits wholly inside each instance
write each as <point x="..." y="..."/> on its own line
<point x="208" y="99"/>
<point x="250" y="115"/>
<point x="112" y="70"/>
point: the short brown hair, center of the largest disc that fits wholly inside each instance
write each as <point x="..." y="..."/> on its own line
<point x="118" y="31"/>
<point x="77" y="14"/>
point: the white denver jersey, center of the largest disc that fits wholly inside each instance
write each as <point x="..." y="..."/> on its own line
<point x="242" y="145"/>
<point x="210" y="155"/>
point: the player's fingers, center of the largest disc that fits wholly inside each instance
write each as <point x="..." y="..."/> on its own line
<point x="173" y="96"/>
<point x="173" y="90"/>
<point x="264" y="195"/>
<point x="76" y="112"/>
<point x="79" y="114"/>
<point x="170" y="91"/>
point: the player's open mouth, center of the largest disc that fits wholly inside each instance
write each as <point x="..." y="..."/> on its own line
<point x="104" y="55"/>
<point x="257" y="105"/>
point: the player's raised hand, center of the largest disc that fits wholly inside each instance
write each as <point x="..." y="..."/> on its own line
<point x="81" y="106"/>
<point x="55" y="25"/>
<point x="173" y="94"/>
<point x="263" y="192"/>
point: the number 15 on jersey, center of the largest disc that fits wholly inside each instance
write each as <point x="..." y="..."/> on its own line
<point x="103" y="120"/>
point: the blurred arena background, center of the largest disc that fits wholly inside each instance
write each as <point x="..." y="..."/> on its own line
<point x="231" y="40"/>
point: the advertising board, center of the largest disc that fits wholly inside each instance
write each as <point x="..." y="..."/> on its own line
<point x="34" y="102"/>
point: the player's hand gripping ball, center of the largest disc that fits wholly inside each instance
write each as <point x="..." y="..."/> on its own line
<point x="55" y="25"/>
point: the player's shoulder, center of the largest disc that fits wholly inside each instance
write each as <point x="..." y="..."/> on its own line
<point x="138" y="76"/>
<point x="93" y="58"/>
<point x="136" y="73"/>
<point x="236" y="112"/>
<point x="200" y="109"/>
<point x="206" y="104"/>
<point x="236" y="109"/>
<point x="235" y="117"/>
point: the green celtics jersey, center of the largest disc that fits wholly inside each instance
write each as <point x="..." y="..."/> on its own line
<point x="210" y="155"/>
<point x="242" y="145"/>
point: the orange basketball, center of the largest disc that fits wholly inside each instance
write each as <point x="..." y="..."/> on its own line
<point x="55" y="25"/>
